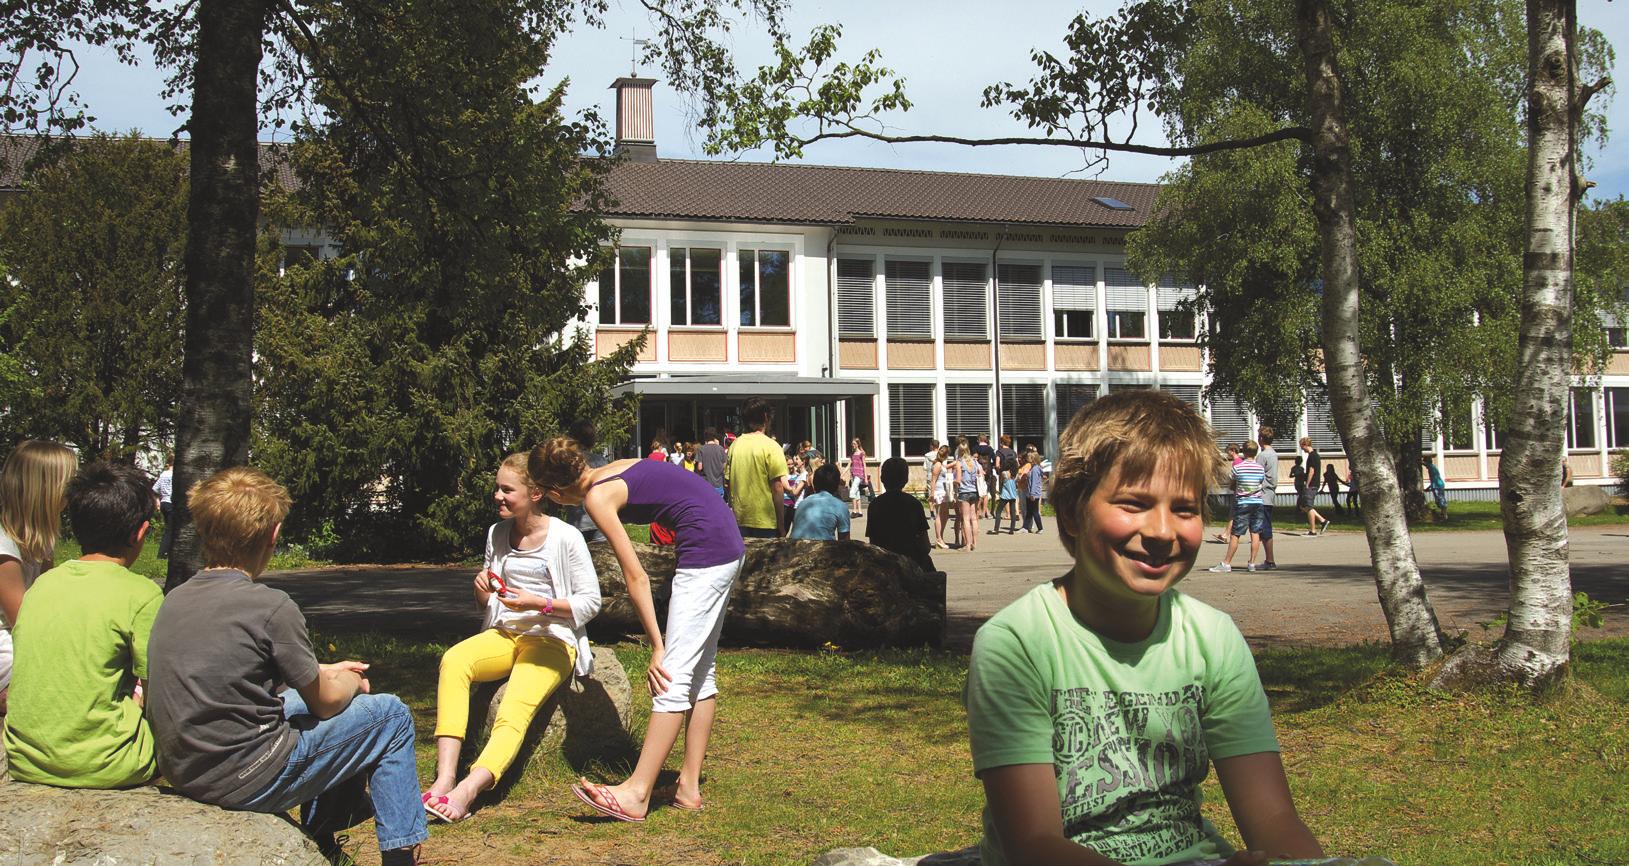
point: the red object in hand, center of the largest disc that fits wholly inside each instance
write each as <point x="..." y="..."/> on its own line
<point x="498" y="585"/>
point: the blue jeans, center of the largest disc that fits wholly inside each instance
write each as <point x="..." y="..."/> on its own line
<point x="371" y="742"/>
<point x="1032" y="512"/>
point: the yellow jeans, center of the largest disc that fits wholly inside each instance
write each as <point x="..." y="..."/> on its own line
<point x="535" y="666"/>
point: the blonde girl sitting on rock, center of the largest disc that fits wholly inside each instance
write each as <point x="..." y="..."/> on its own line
<point x="544" y="593"/>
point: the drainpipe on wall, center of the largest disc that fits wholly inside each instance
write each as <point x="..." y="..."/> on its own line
<point x="995" y="331"/>
<point x="831" y="327"/>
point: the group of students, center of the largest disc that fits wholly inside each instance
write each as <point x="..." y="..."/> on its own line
<point x="1097" y="703"/>
<point x="968" y="483"/>
<point x="216" y="687"/>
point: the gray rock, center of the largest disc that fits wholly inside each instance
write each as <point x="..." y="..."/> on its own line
<point x="1585" y="499"/>
<point x="141" y="827"/>
<point x="798" y="594"/>
<point x="873" y="857"/>
<point x="585" y="719"/>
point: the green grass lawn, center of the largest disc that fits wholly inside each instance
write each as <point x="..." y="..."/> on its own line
<point x="815" y="751"/>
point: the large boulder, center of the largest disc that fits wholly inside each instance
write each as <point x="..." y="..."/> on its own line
<point x="797" y="594"/>
<point x="585" y="719"/>
<point x="141" y="827"/>
<point x="1585" y="499"/>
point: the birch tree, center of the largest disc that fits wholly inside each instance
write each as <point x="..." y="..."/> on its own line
<point x="1118" y="67"/>
<point x="1536" y="647"/>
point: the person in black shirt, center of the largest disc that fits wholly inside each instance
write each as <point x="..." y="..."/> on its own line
<point x="896" y="521"/>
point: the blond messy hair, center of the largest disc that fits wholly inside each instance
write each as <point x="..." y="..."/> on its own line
<point x="1140" y="433"/>
<point x="235" y="511"/>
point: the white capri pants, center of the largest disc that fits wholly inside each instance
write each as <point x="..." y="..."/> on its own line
<point x="854" y="488"/>
<point x="695" y="619"/>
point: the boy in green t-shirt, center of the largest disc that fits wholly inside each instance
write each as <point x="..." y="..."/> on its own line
<point x="1097" y="702"/>
<point x="81" y="635"/>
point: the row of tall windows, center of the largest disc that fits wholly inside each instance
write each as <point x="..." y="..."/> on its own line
<point x="696" y="287"/>
<point x="964" y="312"/>
<point x="913" y="411"/>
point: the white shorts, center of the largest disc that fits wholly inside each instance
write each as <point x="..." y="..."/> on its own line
<point x="695" y="619"/>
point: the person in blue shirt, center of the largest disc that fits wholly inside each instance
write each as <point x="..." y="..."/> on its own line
<point x="1439" y="490"/>
<point x="822" y="516"/>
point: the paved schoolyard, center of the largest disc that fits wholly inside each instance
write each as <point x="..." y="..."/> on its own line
<point x="1323" y="591"/>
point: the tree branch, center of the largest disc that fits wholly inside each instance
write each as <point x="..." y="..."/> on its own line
<point x="1293" y="133"/>
<point x="1589" y="90"/>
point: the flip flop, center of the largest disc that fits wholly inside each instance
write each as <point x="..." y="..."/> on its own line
<point x="614" y="810"/>
<point x="430" y="804"/>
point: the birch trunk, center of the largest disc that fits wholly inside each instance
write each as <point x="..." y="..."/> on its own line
<point x="1415" y="635"/>
<point x="1536" y="645"/>
<point x="213" y="419"/>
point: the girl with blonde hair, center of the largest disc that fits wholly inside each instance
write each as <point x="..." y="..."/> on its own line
<point x="538" y="587"/>
<point x="33" y="493"/>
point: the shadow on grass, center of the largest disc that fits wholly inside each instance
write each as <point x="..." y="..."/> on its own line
<point x="1298" y="679"/>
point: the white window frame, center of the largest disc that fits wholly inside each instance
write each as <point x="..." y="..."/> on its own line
<point x="616" y="289"/>
<point x="689" y="298"/>
<point x="757" y="289"/>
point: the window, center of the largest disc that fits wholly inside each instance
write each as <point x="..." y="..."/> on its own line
<point x="1074" y="302"/>
<point x="967" y="411"/>
<point x="1285" y="421"/>
<point x="1071" y="399"/>
<point x="855" y="303"/>
<point x="1321" y="427"/>
<point x="1617" y="336"/>
<point x="967" y="300"/>
<point x="766" y="288"/>
<point x="1229" y="419"/>
<point x="1617" y="417"/>
<point x="1127" y="302"/>
<point x="696" y="286"/>
<point x="859" y="416"/>
<point x="910" y="418"/>
<point x="625" y="288"/>
<point x="910" y="299"/>
<point x="1176" y="311"/>
<point x="1581" y="418"/>
<point x="300" y="255"/>
<point x="1458" y="433"/>
<point x="1186" y="393"/>
<point x="1023" y="412"/>
<point x="1018" y="287"/>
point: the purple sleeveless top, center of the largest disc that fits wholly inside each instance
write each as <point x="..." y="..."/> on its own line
<point x="703" y="525"/>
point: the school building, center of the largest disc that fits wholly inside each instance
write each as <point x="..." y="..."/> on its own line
<point x="904" y="306"/>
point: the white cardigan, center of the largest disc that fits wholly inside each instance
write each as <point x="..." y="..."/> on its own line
<point x="570" y="575"/>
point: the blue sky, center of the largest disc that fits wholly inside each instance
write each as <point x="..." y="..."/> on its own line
<point x="947" y="51"/>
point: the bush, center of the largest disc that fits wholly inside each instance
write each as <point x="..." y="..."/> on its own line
<point x="1620" y="471"/>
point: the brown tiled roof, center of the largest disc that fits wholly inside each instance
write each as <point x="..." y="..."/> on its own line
<point x="17" y="150"/>
<point x="817" y="194"/>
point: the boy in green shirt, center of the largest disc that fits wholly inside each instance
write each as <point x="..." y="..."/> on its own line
<point x="81" y="636"/>
<point x="1097" y="702"/>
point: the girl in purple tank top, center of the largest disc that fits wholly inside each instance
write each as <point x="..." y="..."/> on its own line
<point x="682" y="671"/>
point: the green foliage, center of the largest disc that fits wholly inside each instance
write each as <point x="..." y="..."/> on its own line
<point x="1433" y="108"/>
<point x="397" y="374"/>
<point x="1620" y="470"/>
<point x="91" y="311"/>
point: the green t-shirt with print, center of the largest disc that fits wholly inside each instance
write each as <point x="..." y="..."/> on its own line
<point x="81" y="640"/>
<point x="754" y="461"/>
<point x="1129" y="729"/>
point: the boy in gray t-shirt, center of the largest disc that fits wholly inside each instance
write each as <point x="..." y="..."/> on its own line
<point x="244" y="715"/>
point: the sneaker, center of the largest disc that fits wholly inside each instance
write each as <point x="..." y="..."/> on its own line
<point x="1252" y="567"/>
<point x="1266" y="566"/>
<point x="1224" y="567"/>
